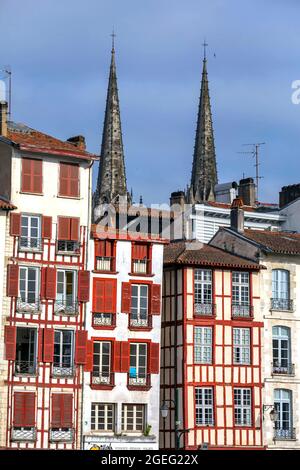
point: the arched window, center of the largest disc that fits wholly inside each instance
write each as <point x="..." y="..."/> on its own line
<point x="281" y="350"/>
<point x="281" y="289"/>
<point x="283" y="406"/>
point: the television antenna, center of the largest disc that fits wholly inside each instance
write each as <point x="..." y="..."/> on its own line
<point x="254" y="152"/>
<point x="7" y="76"/>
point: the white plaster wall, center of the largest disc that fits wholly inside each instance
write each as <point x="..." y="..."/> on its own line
<point x="292" y="214"/>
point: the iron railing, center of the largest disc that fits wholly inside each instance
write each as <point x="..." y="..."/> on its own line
<point x="139" y="381"/>
<point x="104" y="319"/>
<point x="137" y="321"/>
<point x="204" y="309"/>
<point x="103" y="379"/>
<point x="27" y="243"/>
<point x="282" y="304"/>
<point x="241" y="311"/>
<point x="67" y="246"/>
<point x="23" y="434"/>
<point x="62" y="371"/>
<point x="59" y="434"/>
<point x="66" y="307"/>
<point x="25" y="368"/>
<point x="284" y="434"/>
<point x="283" y="368"/>
<point x="28" y="307"/>
<point x="140" y="266"/>
<point x="104" y="263"/>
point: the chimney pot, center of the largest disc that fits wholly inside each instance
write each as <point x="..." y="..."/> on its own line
<point x="237" y="215"/>
<point x="78" y="141"/>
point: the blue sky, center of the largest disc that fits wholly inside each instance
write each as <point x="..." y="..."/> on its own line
<point x="59" y="52"/>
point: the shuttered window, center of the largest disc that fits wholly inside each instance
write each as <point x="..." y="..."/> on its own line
<point x="141" y="262"/>
<point x="32" y="176"/>
<point x="69" y="180"/>
<point x="104" y="295"/>
<point x="62" y="410"/>
<point x="68" y="229"/>
<point x="24" y="409"/>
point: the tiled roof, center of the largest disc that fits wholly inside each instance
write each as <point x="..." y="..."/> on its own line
<point x="6" y="205"/>
<point x="104" y="232"/>
<point x="278" y="242"/>
<point x="194" y="252"/>
<point x="35" y="141"/>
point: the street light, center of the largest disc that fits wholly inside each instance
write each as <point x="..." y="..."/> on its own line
<point x="164" y="411"/>
<point x="273" y="412"/>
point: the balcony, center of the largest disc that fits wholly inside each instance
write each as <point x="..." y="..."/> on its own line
<point x="284" y="434"/>
<point x="204" y="309"/>
<point x="30" y="244"/>
<point x="241" y="311"/>
<point x="283" y="368"/>
<point x="23" y="434"/>
<point x="28" y="307"/>
<point x="104" y="263"/>
<point x="62" y="371"/>
<point x="136" y="382"/>
<point x="103" y="379"/>
<point x="140" y="266"/>
<point x="104" y="320"/>
<point x="25" y="368"/>
<point x="61" y="435"/>
<point x="140" y="321"/>
<point x="66" y="307"/>
<point x="285" y="305"/>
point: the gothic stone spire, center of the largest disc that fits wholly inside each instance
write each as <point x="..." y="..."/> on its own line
<point x="204" y="172"/>
<point x="111" y="184"/>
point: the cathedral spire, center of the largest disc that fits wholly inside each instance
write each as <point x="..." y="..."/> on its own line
<point x="111" y="183"/>
<point x="204" y="172"/>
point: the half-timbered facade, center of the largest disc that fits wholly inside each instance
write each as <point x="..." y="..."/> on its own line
<point x="46" y="288"/>
<point x="121" y="382"/>
<point x="211" y="379"/>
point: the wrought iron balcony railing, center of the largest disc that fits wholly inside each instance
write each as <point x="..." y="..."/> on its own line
<point x="28" y="243"/>
<point x="284" y="434"/>
<point x="140" y="321"/>
<point x="283" y="368"/>
<point x="66" y="307"/>
<point x="103" y="378"/>
<point x="25" y="368"/>
<point x="68" y="246"/>
<point x="204" y="309"/>
<point x="28" y="307"/>
<point x="61" y="434"/>
<point x="241" y="311"/>
<point x="104" y="319"/>
<point x="104" y="263"/>
<point x="282" y="304"/>
<point x="140" y="266"/>
<point x="23" y="434"/>
<point x="62" y="371"/>
<point x="139" y="381"/>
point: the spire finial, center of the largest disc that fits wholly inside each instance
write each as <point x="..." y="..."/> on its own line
<point x="204" y="49"/>
<point x="113" y="35"/>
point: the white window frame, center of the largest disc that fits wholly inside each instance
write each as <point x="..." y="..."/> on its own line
<point x="280" y="284"/>
<point x="136" y="312"/>
<point x="241" y="345"/>
<point x="124" y="420"/>
<point x="240" y="285"/>
<point x="100" y="358"/>
<point x="279" y="401"/>
<point x="137" y="359"/>
<point x="242" y="406"/>
<point x="74" y="285"/>
<point x="203" y="286"/>
<point x="204" y="405"/>
<point x="104" y="408"/>
<point x="28" y="236"/>
<point x="25" y="269"/>
<point x="280" y="337"/>
<point x="61" y="343"/>
<point x="203" y="343"/>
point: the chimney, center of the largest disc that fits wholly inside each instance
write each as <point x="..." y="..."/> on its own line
<point x="289" y="194"/>
<point x="177" y="198"/>
<point x="247" y="191"/>
<point x="78" y="141"/>
<point x="237" y="215"/>
<point x="3" y="118"/>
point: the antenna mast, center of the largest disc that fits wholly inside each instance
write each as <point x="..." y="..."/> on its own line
<point x="7" y="72"/>
<point x="255" y="154"/>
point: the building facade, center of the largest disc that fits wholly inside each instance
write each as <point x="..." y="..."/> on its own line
<point x="211" y="377"/>
<point x="122" y="384"/>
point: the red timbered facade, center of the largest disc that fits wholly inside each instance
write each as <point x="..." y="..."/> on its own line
<point x="211" y="378"/>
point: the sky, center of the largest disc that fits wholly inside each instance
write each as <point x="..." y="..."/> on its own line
<point x="59" y="54"/>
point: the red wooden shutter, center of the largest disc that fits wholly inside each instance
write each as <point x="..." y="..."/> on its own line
<point x="62" y="410"/>
<point x="48" y="345"/>
<point x="89" y="356"/>
<point x="80" y="347"/>
<point x="126" y="297"/>
<point x="43" y="283"/>
<point x="46" y="227"/>
<point x="125" y="356"/>
<point x="15" y="225"/>
<point x="155" y="299"/>
<point x="50" y="290"/>
<point x="139" y="251"/>
<point x="154" y="358"/>
<point x="40" y="344"/>
<point x="12" y="289"/>
<point x="63" y="179"/>
<point x="24" y="409"/>
<point x="74" y="233"/>
<point x="69" y="180"/>
<point x="98" y="295"/>
<point x="104" y="295"/>
<point x="37" y="176"/>
<point x="110" y="296"/>
<point x="67" y="415"/>
<point x="10" y="336"/>
<point x="83" y="286"/>
<point x="117" y="356"/>
<point x="64" y="228"/>
<point x="74" y="180"/>
<point x="56" y="410"/>
<point x="26" y="186"/>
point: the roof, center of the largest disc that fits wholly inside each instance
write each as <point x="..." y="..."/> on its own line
<point x="196" y="253"/>
<point x="35" y="141"/>
<point x="103" y="232"/>
<point x="6" y="205"/>
<point x="278" y="242"/>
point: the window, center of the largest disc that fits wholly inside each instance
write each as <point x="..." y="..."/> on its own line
<point x="63" y="353"/>
<point x="32" y="176"/>
<point x="68" y="234"/>
<point x="141" y="258"/>
<point x="104" y="301"/>
<point x="30" y="232"/>
<point x="284" y="422"/>
<point x="204" y="406"/>
<point x="66" y="293"/>
<point x="281" y="290"/>
<point x="281" y="350"/>
<point x="241" y="345"/>
<point x="203" y="291"/>
<point x="28" y="301"/>
<point x="104" y="255"/>
<point x="103" y="417"/>
<point x="242" y="406"/>
<point x="101" y="362"/>
<point x="24" y="417"/>
<point x="69" y="180"/>
<point x="139" y="305"/>
<point x="133" y="418"/>
<point x="61" y="417"/>
<point x="138" y="364"/>
<point x="203" y="344"/>
<point x="240" y="294"/>
<point x="26" y="350"/>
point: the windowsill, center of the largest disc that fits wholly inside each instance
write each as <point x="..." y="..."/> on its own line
<point x="141" y="274"/>
<point x="20" y="375"/>
<point x="102" y="386"/>
<point x="140" y="328"/>
<point x="279" y="310"/>
<point x="239" y="364"/>
<point x="142" y="388"/>
<point x="97" y="271"/>
<point x="76" y="198"/>
<point x="30" y="250"/>
<point x="31" y="194"/>
<point x="104" y="327"/>
<point x="237" y="318"/>
<point x="68" y="253"/>
<point x="205" y="426"/>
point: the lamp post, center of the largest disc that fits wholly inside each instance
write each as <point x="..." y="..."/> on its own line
<point x="164" y="410"/>
<point x="273" y="412"/>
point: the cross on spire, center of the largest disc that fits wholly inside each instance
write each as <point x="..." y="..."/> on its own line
<point x="204" y="48"/>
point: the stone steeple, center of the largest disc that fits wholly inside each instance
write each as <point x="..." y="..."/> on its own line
<point x="111" y="183"/>
<point x="204" y="172"/>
